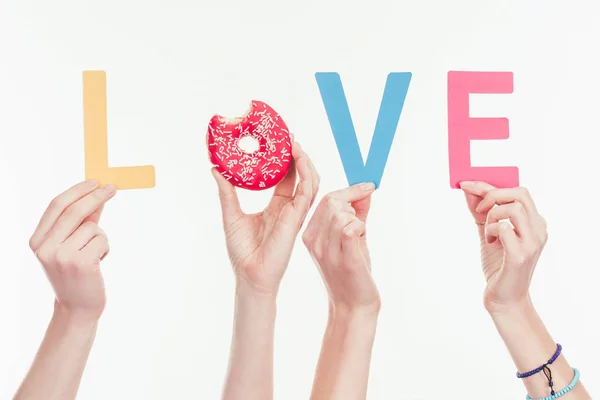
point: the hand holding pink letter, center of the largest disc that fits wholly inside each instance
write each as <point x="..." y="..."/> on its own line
<point x="336" y="239"/>
<point x="509" y="255"/>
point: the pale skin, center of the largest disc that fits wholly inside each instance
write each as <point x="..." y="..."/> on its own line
<point x="260" y="246"/>
<point x="509" y="256"/>
<point x="336" y="239"/>
<point x="70" y="246"/>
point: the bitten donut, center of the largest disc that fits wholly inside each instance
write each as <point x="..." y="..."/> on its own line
<point x="260" y="168"/>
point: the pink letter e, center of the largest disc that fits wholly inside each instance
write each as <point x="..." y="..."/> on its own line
<point x="462" y="128"/>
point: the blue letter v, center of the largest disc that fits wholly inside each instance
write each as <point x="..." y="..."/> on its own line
<point x="336" y="106"/>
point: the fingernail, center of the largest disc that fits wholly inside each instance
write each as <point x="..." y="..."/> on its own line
<point x="465" y="184"/>
<point x="478" y="208"/>
<point x="367" y="186"/>
<point x="298" y="145"/>
<point x="92" y="183"/>
<point x="109" y="189"/>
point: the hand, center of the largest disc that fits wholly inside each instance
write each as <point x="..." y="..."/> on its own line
<point x="260" y="245"/>
<point x="509" y="255"/>
<point x="70" y="246"/>
<point x="336" y="239"/>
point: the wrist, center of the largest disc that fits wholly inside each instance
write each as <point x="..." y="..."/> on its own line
<point x="517" y="307"/>
<point x="71" y="319"/>
<point x="247" y="287"/>
<point x="340" y="311"/>
<point x="254" y="304"/>
<point x="359" y="316"/>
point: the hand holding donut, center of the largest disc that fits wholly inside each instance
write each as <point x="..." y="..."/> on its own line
<point x="70" y="246"/>
<point x="336" y="238"/>
<point x="508" y="255"/>
<point x="260" y="245"/>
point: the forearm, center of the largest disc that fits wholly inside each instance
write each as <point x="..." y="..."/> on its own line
<point x="250" y="371"/>
<point x="59" y="364"/>
<point x="343" y="368"/>
<point x="530" y="346"/>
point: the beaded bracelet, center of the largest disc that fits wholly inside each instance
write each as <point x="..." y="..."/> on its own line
<point x="545" y="368"/>
<point x="565" y="390"/>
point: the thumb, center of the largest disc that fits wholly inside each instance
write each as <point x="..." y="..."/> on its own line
<point x="354" y="193"/>
<point x="474" y="194"/>
<point x="230" y="204"/>
<point x="95" y="216"/>
<point x="362" y="207"/>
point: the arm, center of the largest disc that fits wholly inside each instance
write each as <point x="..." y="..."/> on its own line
<point x="343" y="368"/>
<point x="260" y="246"/>
<point x="250" y="373"/>
<point x="530" y="345"/>
<point x="67" y="344"/>
<point x="336" y="239"/>
<point x="509" y="254"/>
<point x="70" y="246"/>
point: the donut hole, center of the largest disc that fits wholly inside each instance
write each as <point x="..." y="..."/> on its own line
<point x="248" y="144"/>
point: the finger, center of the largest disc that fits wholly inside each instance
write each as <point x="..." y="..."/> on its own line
<point x="57" y="207"/>
<point x="316" y="179"/>
<point x="351" y="245"/>
<point x="354" y="192"/>
<point x="76" y="213"/>
<point x="320" y="218"/>
<point x="474" y="193"/>
<point x="476" y="188"/>
<point x="338" y="221"/>
<point x="294" y="212"/>
<point x="96" y="249"/>
<point x="362" y="208"/>
<point x="506" y="234"/>
<point x="284" y="191"/>
<point x="505" y="196"/>
<point x="83" y="235"/>
<point x="230" y="204"/>
<point x="304" y="196"/>
<point x="95" y="216"/>
<point x="517" y="215"/>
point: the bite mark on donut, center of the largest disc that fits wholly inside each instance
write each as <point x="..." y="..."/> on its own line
<point x="259" y="169"/>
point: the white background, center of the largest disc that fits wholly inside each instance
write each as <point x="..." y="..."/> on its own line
<point x="172" y="64"/>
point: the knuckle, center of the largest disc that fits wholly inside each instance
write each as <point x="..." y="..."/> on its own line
<point x="531" y="249"/>
<point x="318" y="251"/>
<point x="524" y="192"/>
<point x="73" y="210"/>
<point x="520" y="259"/>
<point x="98" y="195"/>
<point x="517" y="207"/>
<point x="306" y="239"/>
<point x="330" y="200"/>
<point x="491" y="195"/>
<point x="64" y="258"/>
<point x="45" y="255"/>
<point x="338" y="218"/>
<point x="58" y="203"/>
<point x="33" y="243"/>
<point x="101" y="232"/>
<point x="104" y="242"/>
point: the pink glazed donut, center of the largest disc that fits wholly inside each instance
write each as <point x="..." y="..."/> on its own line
<point x="255" y="169"/>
